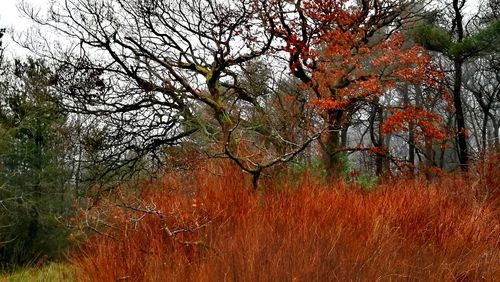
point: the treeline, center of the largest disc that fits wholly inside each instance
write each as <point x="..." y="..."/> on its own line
<point x="125" y="89"/>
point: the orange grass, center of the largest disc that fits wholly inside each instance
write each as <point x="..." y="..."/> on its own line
<point x="446" y="229"/>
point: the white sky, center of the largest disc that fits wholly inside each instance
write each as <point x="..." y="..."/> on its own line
<point x="10" y="17"/>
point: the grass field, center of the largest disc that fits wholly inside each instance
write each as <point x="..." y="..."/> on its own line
<point x="209" y="225"/>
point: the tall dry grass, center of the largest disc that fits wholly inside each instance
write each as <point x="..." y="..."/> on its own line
<point x="445" y="229"/>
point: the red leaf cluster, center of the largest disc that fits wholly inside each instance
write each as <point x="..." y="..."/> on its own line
<point x="425" y="123"/>
<point x="346" y="59"/>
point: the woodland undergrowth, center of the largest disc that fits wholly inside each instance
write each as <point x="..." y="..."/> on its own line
<point x="207" y="224"/>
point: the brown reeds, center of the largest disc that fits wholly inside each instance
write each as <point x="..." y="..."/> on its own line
<point x="444" y="229"/>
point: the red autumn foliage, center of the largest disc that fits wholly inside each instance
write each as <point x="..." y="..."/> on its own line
<point x="347" y="58"/>
<point x="348" y="55"/>
<point x="426" y="124"/>
<point x="300" y="230"/>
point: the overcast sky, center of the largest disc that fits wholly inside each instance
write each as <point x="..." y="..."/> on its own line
<point x="11" y="18"/>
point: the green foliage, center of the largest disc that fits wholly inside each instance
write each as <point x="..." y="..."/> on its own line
<point x="432" y="37"/>
<point x="486" y="41"/>
<point x="344" y="164"/>
<point x="34" y="235"/>
<point x="315" y="168"/>
<point x="367" y="182"/>
<point x="33" y="175"/>
<point x="437" y="39"/>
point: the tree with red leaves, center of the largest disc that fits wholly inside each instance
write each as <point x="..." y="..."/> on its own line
<point x="349" y="55"/>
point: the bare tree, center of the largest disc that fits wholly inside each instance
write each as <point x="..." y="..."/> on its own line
<point x="146" y="68"/>
<point x="482" y="80"/>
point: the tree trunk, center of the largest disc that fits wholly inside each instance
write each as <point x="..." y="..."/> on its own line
<point x="463" y="155"/>
<point x="377" y="139"/>
<point x="484" y="133"/>
<point x="343" y="137"/>
<point x="496" y="129"/>
<point x="411" y="128"/>
<point x="333" y="158"/>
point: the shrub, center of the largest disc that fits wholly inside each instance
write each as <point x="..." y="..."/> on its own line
<point x="367" y="182"/>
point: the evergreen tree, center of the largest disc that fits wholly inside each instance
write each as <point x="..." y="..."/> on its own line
<point x="33" y="177"/>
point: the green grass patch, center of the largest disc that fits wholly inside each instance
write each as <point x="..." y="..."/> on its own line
<point x="51" y="272"/>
